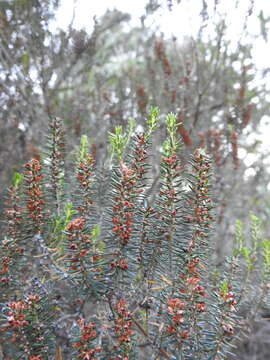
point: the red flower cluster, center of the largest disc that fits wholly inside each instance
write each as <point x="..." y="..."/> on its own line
<point x="142" y="99"/>
<point x="5" y="260"/>
<point x="217" y="146"/>
<point x="79" y="242"/>
<point x="85" y="179"/>
<point x="192" y="281"/>
<point x="215" y="142"/>
<point x="168" y="192"/>
<point x="228" y="328"/>
<point x="202" y="203"/>
<point x="18" y="311"/>
<point x="76" y="224"/>
<point x="35" y="204"/>
<point x="121" y="264"/>
<point x="33" y="299"/>
<point x="13" y="213"/>
<point x="162" y="56"/>
<point x="85" y="171"/>
<point x="229" y="298"/>
<point x="140" y="156"/>
<point x="85" y="347"/>
<point x="123" y="324"/>
<point x="170" y="161"/>
<point x="192" y="266"/>
<point x="123" y="228"/>
<point x="57" y="154"/>
<point x="22" y="320"/>
<point x="183" y="131"/>
<point x="234" y="144"/>
<point x="200" y="306"/>
<point x="246" y="114"/>
<point x="175" y="308"/>
<point x="10" y="247"/>
<point x="122" y="208"/>
<point x="36" y="357"/>
<point x="127" y="190"/>
<point x="192" y="289"/>
<point x="16" y="315"/>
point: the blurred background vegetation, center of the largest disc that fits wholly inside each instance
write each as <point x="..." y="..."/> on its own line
<point x="95" y="79"/>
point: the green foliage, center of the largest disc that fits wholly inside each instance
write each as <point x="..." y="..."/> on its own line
<point x="84" y="146"/>
<point x="152" y="120"/>
<point x="120" y="140"/>
<point x="239" y="235"/>
<point x="58" y="226"/>
<point x="17" y="179"/>
<point x="266" y="254"/>
<point x="171" y="144"/>
<point x="120" y="275"/>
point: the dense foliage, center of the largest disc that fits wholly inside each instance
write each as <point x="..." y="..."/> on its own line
<point x="116" y="271"/>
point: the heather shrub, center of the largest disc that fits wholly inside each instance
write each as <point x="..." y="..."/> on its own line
<point x="97" y="263"/>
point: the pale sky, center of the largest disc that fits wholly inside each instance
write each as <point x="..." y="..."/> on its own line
<point x="183" y="20"/>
